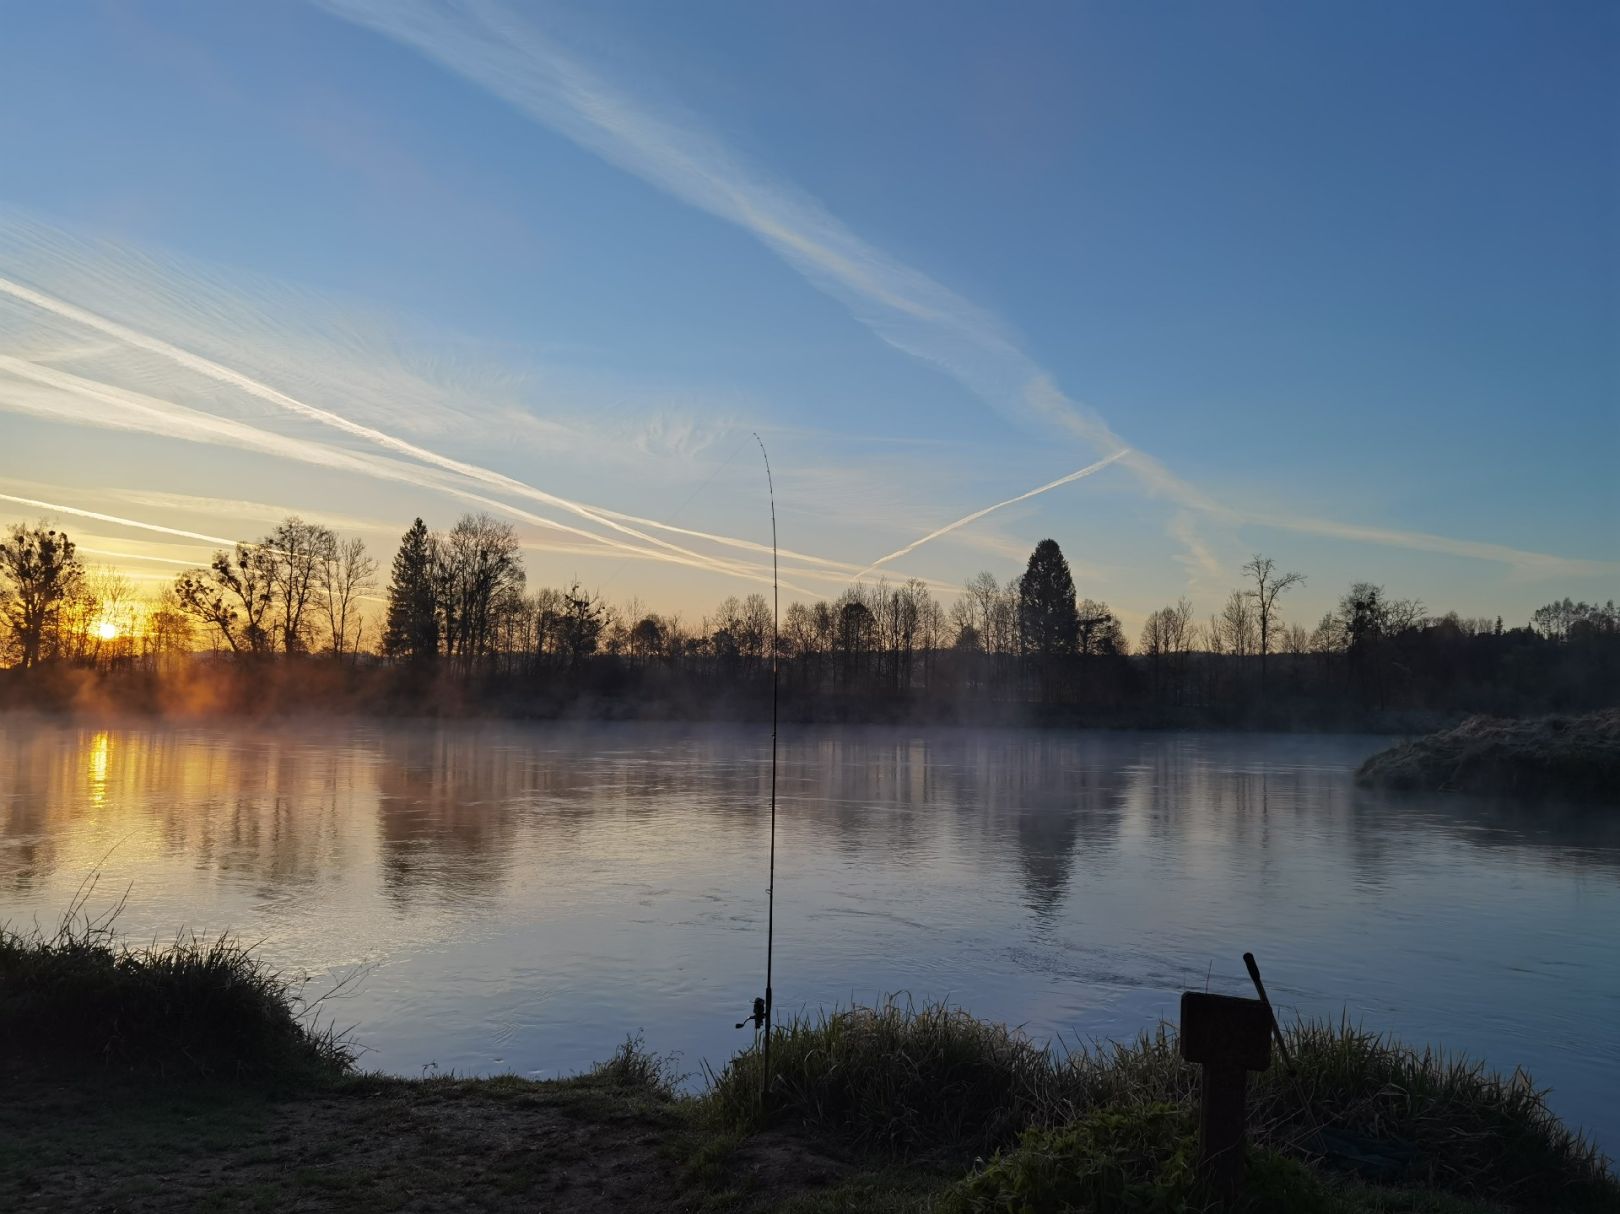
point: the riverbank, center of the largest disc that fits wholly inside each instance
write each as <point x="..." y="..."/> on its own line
<point x="189" y="1078"/>
<point x="593" y="1144"/>
<point x="1573" y="758"/>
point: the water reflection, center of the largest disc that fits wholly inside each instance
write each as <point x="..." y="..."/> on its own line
<point x="449" y="804"/>
<point x="99" y="747"/>
<point x="446" y="813"/>
<point x="529" y="894"/>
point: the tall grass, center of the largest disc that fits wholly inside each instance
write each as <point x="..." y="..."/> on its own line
<point x="79" y="996"/>
<point x="1464" y="1128"/>
<point x="634" y="1067"/>
<point x="926" y="1080"/>
<point x="897" y="1078"/>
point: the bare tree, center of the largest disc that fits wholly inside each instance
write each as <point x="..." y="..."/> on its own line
<point x="477" y="562"/>
<point x="728" y="642"/>
<point x="646" y="639"/>
<point x="298" y="552"/>
<point x="928" y="631"/>
<point x="798" y="631"/>
<point x="754" y="629"/>
<point x="580" y="624"/>
<point x="1099" y="632"/>
<point x="235" y="595"/>
<point x="855" y="636"/>
<point x="168" y="633"/>
<point x="899" y="612"/>
<point x="984" y="607"/>
<point x="1167" y="636"/>
<point x="346" y="573"/>
<point x="1268" y="585"/>
<point x="41" y="572"/>
<point x="1235" y="626"/>
<point x="70" y="636"/>
<point x="105" y="619"/>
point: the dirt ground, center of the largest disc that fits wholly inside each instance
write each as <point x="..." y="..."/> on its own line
<point x="392" y="1145"/>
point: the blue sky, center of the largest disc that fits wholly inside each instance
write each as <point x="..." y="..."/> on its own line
<point x="1340" y="282"/>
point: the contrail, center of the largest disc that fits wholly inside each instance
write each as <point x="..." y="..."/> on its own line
<point x="132" y="556"/>
<point x="221" y="373"/>
<point x="473" y="472"/>
<point x="227" y="375"/>
<point x="177" y="421"/>
<point x="58" y="508"/>
<point x="212" y="300"/>
<point x="729" y="541"/>
<point x="511" y="59"/>
<point x="978" y="514"/>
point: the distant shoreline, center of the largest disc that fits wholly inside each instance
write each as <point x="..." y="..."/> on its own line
<point x="1390" y="725"/>
<point x="322" y="690"/>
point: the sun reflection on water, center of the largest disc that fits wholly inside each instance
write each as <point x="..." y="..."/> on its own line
<point x="96" y="767"/>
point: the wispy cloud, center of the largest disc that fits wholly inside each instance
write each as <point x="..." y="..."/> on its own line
<point x="511" y="58"/>
<point x="1201" y="564"/>
<point x="1529" y="564"/>
<point x="501" y="52"/>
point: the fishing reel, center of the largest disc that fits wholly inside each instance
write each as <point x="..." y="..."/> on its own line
<point x="758" y="1018"/>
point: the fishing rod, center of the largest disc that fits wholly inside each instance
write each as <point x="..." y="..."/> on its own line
<point x="761" y="1018"/>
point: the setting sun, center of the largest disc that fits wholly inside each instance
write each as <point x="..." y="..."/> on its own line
<point x="107" y="630"/>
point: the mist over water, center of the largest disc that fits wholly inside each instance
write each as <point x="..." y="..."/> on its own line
<point x="525" y="895"/>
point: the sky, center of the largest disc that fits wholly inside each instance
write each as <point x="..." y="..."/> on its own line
<point x="1338" y="283"/>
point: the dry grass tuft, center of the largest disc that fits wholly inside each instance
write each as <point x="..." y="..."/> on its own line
<point x="82" y="997"/>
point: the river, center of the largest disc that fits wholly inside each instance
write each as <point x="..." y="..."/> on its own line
<point x="520" y="897"/>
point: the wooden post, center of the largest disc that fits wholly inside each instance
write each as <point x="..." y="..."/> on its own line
<point x="1228" y="1037"/>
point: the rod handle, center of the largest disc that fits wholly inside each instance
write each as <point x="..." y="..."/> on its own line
<point x="1253" y="967"/>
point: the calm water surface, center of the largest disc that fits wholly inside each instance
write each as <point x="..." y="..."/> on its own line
<point x="523" y="896"/>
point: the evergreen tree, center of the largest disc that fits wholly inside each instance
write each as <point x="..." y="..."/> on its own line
<point x="1047" y="618"/>
<point x="413" y="616"/>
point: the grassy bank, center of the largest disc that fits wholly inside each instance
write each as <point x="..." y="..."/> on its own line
<point x="192" y="1078"/>
<point x="1574" y="758"/>
<point x="80" y="999"/>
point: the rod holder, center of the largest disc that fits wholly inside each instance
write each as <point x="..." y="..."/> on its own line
<point x="1228" y="1037"/>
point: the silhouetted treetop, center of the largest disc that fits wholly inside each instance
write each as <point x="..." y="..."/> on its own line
<point x="460" y="600"/>
<point x="412" y="629"/>
<point x="1047" y="617"/>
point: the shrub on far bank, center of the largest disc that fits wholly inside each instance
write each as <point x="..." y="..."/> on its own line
<point x="1575" y="758"/>
<point x="82" y="999"/>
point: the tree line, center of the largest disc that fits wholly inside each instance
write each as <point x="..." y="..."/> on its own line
<point x="457" y="606"/>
